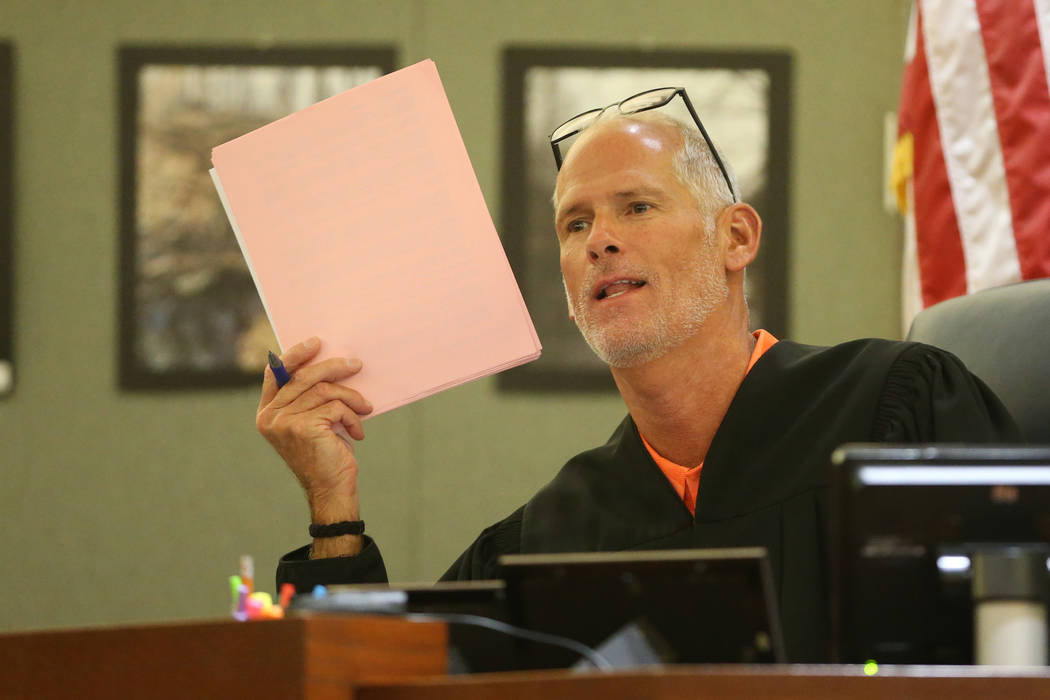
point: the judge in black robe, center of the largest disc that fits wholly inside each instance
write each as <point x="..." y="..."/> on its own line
<point x="764" y="481"/>
<point x="653" y="261"/>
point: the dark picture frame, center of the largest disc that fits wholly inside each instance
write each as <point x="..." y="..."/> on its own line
<point x="743" y="99"/>
<point x="190" y="316"/>
<point x="7" y="219"/>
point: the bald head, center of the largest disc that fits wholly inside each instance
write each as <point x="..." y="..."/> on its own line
<point x="690" y="157"/>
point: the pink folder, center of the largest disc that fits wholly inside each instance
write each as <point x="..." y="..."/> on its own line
<point x="362" y="222"/>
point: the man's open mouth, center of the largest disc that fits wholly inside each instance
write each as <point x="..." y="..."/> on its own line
<point x="615" y="289"/>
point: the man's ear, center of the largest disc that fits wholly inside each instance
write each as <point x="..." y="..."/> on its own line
<point x="742" y="231"/>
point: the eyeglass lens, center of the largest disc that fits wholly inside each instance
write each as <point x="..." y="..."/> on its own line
<point x="647" y="100"/>
<point x="577" y="123"/>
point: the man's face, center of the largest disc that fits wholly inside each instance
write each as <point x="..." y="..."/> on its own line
<point x="642" y="268"/>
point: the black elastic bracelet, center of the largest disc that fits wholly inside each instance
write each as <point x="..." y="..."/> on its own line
<point x="346" y="527"/>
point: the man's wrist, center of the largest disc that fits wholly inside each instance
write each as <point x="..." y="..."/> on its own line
<point x="327" y="508"/>
<point x="332" y="508"/>
<point x="342" y="546"/>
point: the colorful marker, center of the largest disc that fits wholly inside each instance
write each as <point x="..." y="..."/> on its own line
<point x="287" y="591"/>
<point x="235" y="589"/>
<point x="248" y="571"/>
<point x="241" y="613"/>
<point x="257" y="605"/>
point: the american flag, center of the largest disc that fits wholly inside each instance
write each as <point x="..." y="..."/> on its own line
<point x="971" y="169"/>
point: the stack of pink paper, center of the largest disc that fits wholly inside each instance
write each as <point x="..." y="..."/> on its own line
<point x="362" y="222"/>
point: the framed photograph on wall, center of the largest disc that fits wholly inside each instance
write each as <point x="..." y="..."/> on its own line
<point x="7" y="220"/>
<point x="742" y="100"/>
<point x="190" y="316"/>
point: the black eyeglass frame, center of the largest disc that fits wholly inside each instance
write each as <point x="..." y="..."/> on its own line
<point x="599" y="110"/>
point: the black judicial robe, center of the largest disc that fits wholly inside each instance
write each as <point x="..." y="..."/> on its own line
<point x="764" y="478"/>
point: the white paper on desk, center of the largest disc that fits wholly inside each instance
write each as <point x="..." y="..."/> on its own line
<point x="362" y="223"/>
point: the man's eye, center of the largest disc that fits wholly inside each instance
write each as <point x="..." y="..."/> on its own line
<point x="640" y="207"/>
<point x="576" y="226"/>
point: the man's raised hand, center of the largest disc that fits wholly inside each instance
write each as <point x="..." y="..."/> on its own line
<point x="300" y="420"/>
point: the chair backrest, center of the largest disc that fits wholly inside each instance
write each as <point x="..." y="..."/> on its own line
<point x="1003" y="336"/>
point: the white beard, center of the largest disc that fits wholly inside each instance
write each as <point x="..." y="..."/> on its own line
<point x="680" y="312"/>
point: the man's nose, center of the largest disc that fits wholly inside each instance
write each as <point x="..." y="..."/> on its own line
<point x="602" y="240"/>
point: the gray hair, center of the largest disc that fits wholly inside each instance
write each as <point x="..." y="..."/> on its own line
<point x="694" y="165"/>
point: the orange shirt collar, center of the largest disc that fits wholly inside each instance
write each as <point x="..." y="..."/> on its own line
<point x="764" y="340"/>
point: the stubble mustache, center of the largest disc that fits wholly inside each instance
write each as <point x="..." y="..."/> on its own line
<point x="605" y="271"/>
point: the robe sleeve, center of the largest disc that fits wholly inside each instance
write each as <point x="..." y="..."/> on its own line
<point x="298" y="568"/>
<point x="930" y="396"/>
<point x="481" y="559"/>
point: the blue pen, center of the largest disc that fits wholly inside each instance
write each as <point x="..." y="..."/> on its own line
<point x="279" y="372"/>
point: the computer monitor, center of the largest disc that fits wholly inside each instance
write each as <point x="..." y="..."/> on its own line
<point x="696" y="606"/>
<point x="906" y="522"/>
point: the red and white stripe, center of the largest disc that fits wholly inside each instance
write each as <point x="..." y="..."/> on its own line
<point x="976" y="101"/>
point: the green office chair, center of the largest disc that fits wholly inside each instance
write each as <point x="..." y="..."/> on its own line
<point x="1003" y="336"/>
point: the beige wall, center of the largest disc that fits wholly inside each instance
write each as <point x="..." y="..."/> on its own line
<point x="117" y="507"/>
